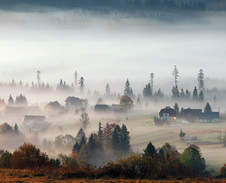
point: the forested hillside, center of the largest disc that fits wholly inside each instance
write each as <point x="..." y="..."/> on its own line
<point x="122" y="5"/>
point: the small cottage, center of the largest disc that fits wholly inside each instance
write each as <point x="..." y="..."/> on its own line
<point x="191" y="114"/>
<point x="72" y="103"/>
<point x="167" y="114"/>
<point x="209" y="117"/>
<point x="35" y="123"/>
<point x="102" y="108"/>
<point x="54" y="108"/>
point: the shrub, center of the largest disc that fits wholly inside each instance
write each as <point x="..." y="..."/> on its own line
<point x="28" y="156"/>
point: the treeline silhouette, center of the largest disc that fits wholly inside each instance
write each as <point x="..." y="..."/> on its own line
<point x="164" y="162"/>
<point x="124" y="5"/>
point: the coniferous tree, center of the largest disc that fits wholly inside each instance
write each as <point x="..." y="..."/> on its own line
<point x="175" y="75"/>
<point x="152" y="81"/>
<point x="76" y="79"/>
<point x="128" y="90"/>
<point x="187" y="94"/>
<point x="195" y="94"/>
<point x="159" y="93"/>
<point x="182" y="111"/>
<point x="79" y="135"/>
<point x="83" y="140"/>
<point x="92" y="144"/>
<point x="201" y="80"/>
<point x="147" y="91"/>
<point x="125" y="139"/>
<point x="100" y="135"/>
<point x="16" y="129"/>
<point x="175" y="92"/>
<point x="10" y="100"/>
<point x="108" y="90"/>
<point x="176" y="108"/>
<point x="81" y="84"/>
<point x="207" y="108"/>
<point x="201" y="96"/>
<point x="115" y="141"/>
<point x="149" y="150"/>
<point x="76" y="147"/>
<point x="182" y="94"/>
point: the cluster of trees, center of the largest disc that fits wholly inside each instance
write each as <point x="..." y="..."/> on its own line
<point x="40" y="86"/>
<point x="6" y="129"/>
<point x="164" y="162"/>
<point x="197" y="96"/>
<point x="20" y="100"/>
<point x="159" y="163"/>
<point x="109" y="142"/>
<point x="63" y="86"/>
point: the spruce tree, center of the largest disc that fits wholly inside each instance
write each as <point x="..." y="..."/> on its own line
<point x="201" y="80"/>
<point x="152" y="81"/>
<point x="201" y="96"/>
<point x="100" y="135"/>
<point x="149" y="150"/>
<point x="182" y="94"/>
<point x="187" y="94"/>
<point x="147" y="91"/>
<point x="207" y="108"/>
<point x="16" y="129"/>
<point x="81" y="84"/>
<point x="128" y="90"/>
<point x="92" y="144"/>
<point x="175" y="74"/>
<point x="115" y="141"/>
<point x="125" y="139"/>
<point x="176" y="108"/>
<point x="108" y="90"/>
<point x="175" y="92"/>
<point x="195" y="94"/>
<point x="10" y="100"/>
<point x="76" y="147"/>
<point x="79" y="135"/>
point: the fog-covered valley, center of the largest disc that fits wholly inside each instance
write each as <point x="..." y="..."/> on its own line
<point x="96" y="59"/>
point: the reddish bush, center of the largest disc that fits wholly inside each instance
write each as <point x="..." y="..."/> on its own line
<point x="28" y="156"/>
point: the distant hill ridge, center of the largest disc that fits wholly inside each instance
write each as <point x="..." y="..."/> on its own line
<point x="122" y="5"/>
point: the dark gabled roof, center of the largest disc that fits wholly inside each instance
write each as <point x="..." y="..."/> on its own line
<point x="54" y="105"/>
<point x="32" y="118"/>
<point x="209" y="115"/>
<point x="72" y="99"/>
<point x="190" y="111"/>
<point x="101" y="107"/>
<point x="167" y="110"/>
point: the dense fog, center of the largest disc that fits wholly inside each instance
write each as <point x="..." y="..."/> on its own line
<point x="106" y="49"/>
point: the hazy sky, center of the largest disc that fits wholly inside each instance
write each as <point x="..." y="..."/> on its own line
<point x="59" y="43"/>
